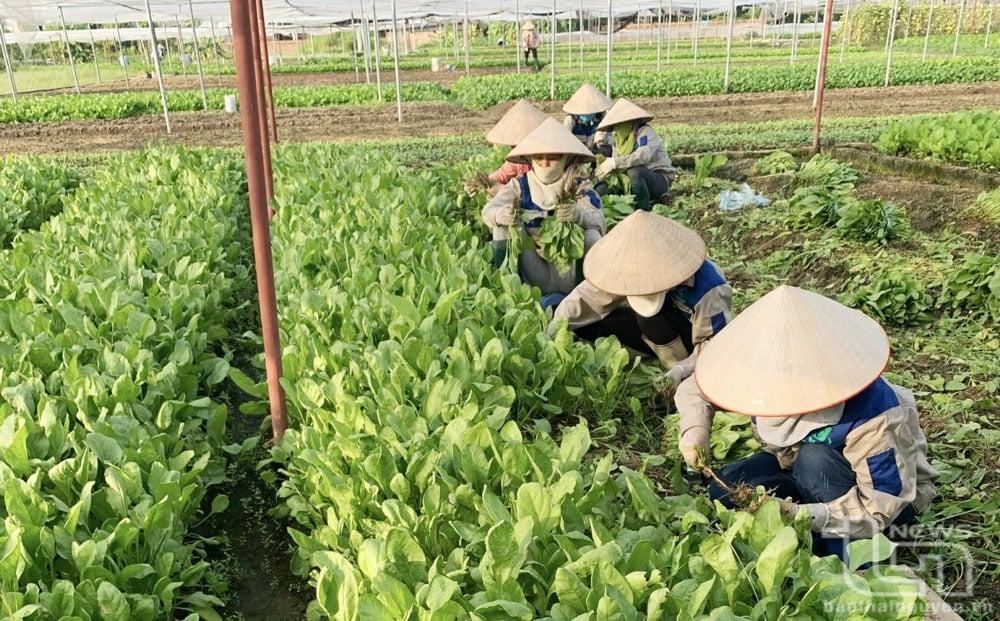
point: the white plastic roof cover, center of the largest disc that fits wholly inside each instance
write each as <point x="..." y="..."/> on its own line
<point x="28" y="14"/>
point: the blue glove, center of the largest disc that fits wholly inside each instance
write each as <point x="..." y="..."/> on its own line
<point x="552" y="300"/>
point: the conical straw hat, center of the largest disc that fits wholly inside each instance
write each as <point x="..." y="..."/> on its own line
<point x="551" y="137"/>
<point x="528" y="25"/>
<point x="587" y="100"/>
<point x="622" y="112"/>
<point x="516" y="124"/>
<point x="791" y="352"/>
<point x="644" y="254"/>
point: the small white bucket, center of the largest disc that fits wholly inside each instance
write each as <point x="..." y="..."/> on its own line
<point x="435" y="64"/>
<point x="230" y="103"/>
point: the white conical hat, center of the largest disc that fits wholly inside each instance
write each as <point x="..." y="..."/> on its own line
<point x="551" y="137"/>
<point x="528" y="25"/>
<point x="587" y="100"/>
<point x="622" y="112"/>
<point x="792" y="352"/>
<point x="516" y="124"/>
<point x="643" y="255"/>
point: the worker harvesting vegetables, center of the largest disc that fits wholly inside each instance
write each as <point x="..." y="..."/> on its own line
<point x="676" y="298"/>
<point x="550" y="215"/>
<point x="512" y="127"/>
<point x="584" y="112"/>
<point x="839" y="441"/>
<point x="637" y="150"/>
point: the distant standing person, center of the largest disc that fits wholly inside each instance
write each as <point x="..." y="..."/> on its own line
<point x="531" y="40"/>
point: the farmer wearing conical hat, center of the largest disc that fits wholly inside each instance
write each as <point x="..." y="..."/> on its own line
<point x="552" y="188"/>
<point x="676" y="298"/>
<point x="584" y="112"/>
<point x="838" y="439"/>
<point x="531" y="41"/>
<point x="637" y="149"/>
<point x="517" y="123"/>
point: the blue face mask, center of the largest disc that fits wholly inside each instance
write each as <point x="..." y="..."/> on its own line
<point x="587" y="118"/>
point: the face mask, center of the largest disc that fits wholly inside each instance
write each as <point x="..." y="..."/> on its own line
<point x="587" y="119"/>
<point x="552" y="173"/>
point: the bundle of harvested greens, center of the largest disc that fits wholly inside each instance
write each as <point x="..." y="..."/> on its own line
<point x="562" y="243"/>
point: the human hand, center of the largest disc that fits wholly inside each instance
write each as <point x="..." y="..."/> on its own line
<point x="666" y="385"/>
<point x="605" y="168"/>
<point x="506" y="217"/>
<point x="788" y="508"/>
<point x="566" y="212"/>
<point x="675" y="373"/>
<point x="695" y="448"/>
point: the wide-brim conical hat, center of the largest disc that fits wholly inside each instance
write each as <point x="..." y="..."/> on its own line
<point x="528" y="25"/>
<point x="791" y="352"/>
<point x="622" y="112"/>
<point x="644" y="254"/>
<point x="517" y="123"/>
<point x="587" y="100"/>
<point x="549" y="138"/>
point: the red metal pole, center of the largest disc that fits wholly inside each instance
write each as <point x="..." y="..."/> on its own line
<point x="267" y="71"/>
<point x="821" y="82"/>
<point x="250" y="103"/>
<point x="258" y="70"/>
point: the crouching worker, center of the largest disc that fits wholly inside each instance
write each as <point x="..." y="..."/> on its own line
<point x="648" y="283"/>
<point x="553" y="188"/>
<point x="839" y="441"/>
<point x="584" y="112"/>
<point x="639" y="151"/>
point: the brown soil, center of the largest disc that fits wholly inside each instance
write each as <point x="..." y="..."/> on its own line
<point x="218" y="128"/>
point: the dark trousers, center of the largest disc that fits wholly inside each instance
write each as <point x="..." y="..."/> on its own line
<point x="629" y="327"/>
<point x="531" y="52"/>
<point x="821" y="474"/>
<point x="647" y="186"/>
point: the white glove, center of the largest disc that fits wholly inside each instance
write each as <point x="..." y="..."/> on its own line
<point x="789" y="508"/>
<point x="695" y="448"/>
<point x="506" y="217"/>
<point x="675" y="373"/>
<point x="566" y="212"/>
<point x="605" y="168"/>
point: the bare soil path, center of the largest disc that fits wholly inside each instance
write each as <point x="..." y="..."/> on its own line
<point x="221" y="129"/>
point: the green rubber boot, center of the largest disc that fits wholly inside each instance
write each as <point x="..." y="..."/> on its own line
<point x="641" y="192"/>
<point x="499" y="253"/>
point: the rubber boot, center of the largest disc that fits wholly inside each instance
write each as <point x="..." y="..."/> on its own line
<point x="499" y="253"/>
<point x="670" y="353"/>
<point x="641" y="192"/>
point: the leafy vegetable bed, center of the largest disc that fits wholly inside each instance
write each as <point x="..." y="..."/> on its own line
<point x="112" y="330"/>
<point x="442" y="463"/>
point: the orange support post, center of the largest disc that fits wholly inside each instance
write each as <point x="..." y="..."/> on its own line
<point x="250" y="104"/>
